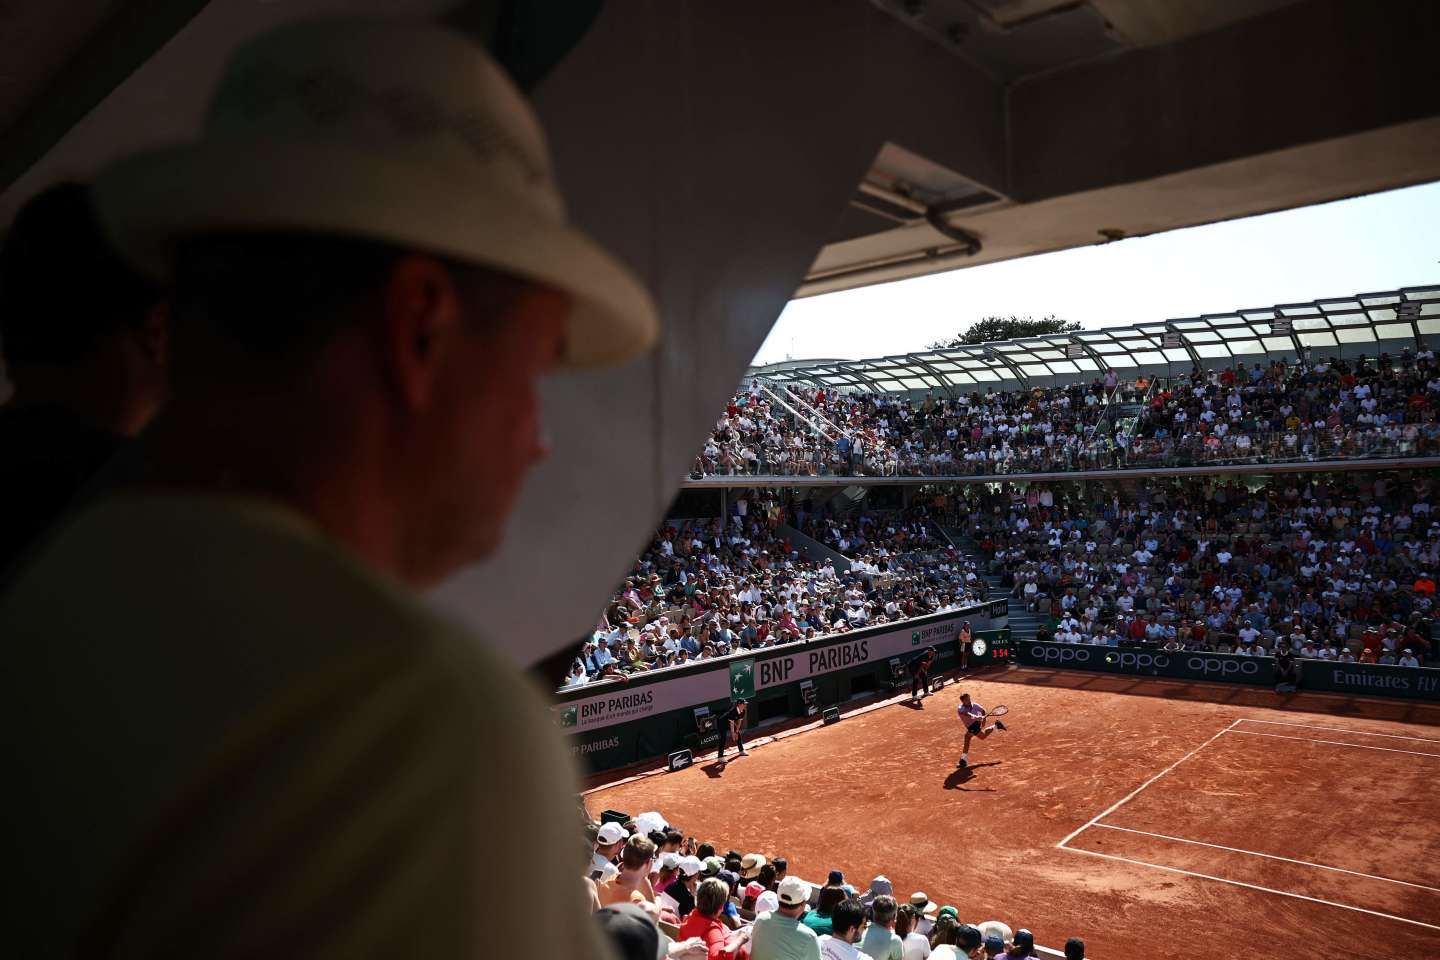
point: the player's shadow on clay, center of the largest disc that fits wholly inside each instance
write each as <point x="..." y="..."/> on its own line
<point x="958" y="778"/>
<point x="715" y="769"/>
<point x="914" y="704"/>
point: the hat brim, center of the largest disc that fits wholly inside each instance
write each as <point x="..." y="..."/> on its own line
<point x="151" y="200"/>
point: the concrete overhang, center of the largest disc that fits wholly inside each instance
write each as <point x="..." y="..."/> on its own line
<point x="1208" y="118"/>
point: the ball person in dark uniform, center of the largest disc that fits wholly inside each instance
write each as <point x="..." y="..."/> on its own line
<point x="920" y="665"/>
<point x="733" y="721"/>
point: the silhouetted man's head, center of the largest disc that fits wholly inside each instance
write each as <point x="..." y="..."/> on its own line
<point x="78" y="326"/>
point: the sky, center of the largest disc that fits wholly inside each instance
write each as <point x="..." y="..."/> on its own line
<point x="1379" y="242"/>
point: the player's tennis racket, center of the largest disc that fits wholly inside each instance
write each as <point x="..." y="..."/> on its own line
<point x="999" y="711"/>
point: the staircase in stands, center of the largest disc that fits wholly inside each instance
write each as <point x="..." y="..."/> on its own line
<point x="1024" y="624"/>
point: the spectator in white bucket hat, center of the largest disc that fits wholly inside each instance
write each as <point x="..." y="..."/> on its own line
<point x="371" y="271"/>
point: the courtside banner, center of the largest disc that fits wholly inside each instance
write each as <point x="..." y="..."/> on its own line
<point x="1421" y="683"/>
<point x="1228" y="667"/>
<point x="622" y="702"/>
<point x="851" y="650"/>
<point x="651" y="694"/>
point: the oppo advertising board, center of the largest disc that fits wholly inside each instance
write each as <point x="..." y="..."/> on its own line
<point x="1149" y="663"/>
<point x="1421" y="683"/>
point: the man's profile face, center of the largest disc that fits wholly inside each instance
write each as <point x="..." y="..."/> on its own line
<point x="490" y="415"/>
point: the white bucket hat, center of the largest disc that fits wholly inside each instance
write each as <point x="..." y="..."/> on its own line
<point x="408" y="134"/>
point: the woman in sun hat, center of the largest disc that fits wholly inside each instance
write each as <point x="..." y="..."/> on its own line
<point x="925" y="912"/>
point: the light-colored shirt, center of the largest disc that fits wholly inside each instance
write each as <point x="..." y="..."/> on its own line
<point x="971" y="714"/>
<point x="917" y="947"/>
<point x="778" y="937"/>
<point x="833" y="948"/>
<point x="881" y="943"/>
<point x="226" y="735"/>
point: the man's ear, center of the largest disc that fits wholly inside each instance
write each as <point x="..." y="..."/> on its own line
<point x="420" y="313"/>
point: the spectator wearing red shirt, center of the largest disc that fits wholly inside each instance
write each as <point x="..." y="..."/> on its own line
<point x="704" y="922"/>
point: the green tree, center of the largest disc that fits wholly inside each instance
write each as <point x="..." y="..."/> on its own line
<point x="1007" y="328"/>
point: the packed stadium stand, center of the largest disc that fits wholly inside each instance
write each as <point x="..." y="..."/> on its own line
<point x="1294" y="556"/>
<point x="708" y="588"/>
<point x="1236" y="391"/>
<point x="1330" y="566"/>
<point x="748" y="904"/>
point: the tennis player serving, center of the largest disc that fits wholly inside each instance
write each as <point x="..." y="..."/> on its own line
<point x="973" y="717"/>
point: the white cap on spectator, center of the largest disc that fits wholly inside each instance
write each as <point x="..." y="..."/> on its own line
<point x="611" y="833"/>
<point x="923" y="903"/>
<point x="689" y="866"/>
<point x="669" y="861"/>
<point x="767" y="902"/>
<point x="997" y="928"/>
<point x="794" y="892"/>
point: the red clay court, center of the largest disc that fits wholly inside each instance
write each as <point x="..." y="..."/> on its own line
<point x="1153" y="818"/>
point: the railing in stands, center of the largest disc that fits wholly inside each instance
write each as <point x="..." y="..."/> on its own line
<point x="820" y="428"/>
<point x="791" y="396"/>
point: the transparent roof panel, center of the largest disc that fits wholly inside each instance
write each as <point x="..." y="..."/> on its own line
<point x="1386" y="318"/>
<point x="1363" y="335"/>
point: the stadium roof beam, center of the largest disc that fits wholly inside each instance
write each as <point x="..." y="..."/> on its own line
<point x="1364" y="323"/>
<point x="1373" y="465"/>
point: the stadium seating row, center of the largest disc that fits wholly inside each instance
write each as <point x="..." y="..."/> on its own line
<point x="1331" y="566"/>
<point x="706" y="588"/>
<point x="1384" y="407"/>
<point x="711" y="906"/>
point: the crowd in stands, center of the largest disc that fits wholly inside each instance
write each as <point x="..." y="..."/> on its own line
<point x="707" y="588"/>
<point x="1327" y="566"/>
<point x="658" y="893"/>
<point x="1280" y="411"/>
<point x="1307" y="411"/>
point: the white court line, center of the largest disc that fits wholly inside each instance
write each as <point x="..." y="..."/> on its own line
<point x="1251" y="886"/>
<point x="1133" y="793"/>
<point x="1362" y="733"/>
<point x="1268" y="856"/>
<point x="1336" y="743"/>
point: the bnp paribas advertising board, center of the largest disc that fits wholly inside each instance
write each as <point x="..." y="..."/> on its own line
<point x="615" y="723"/>
<point x="733" y="678"/>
